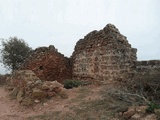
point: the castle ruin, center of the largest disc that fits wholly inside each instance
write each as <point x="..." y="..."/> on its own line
<point x="103" y="55"/>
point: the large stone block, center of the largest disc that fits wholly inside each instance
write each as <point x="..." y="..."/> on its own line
<point x="38" y="94"/>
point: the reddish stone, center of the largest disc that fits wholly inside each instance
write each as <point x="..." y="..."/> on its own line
<point x="57" y="89"/>
<point x="48" y="64"/>
<point x="51" y="94"/>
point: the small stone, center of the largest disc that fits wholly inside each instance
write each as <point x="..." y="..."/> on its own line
<point x="10" y="88"/>
<point x="55" y="84"/>
<point x="57" y="89"/>
<point x="38" y="94"/>
<point x="20" y="96"/>
<point x="27" y="102"/>
<point x="29" y="82"/>
<point x="14" y="93"/>
<point x="51" y="94"/>
<point x="157" y="112"/>
<point x="63" y="94"/>
<point x="136" y="116"/>
<point x="38" y="82"/>
<point x="45" y="87"/>
<point x="120" y="114"/>
<point x="37" y="101"/>
<point x="45" y="104"/>
<point x="150" y="117"/>
<point x="141" y="109"/>
<point x="127" y="115"/>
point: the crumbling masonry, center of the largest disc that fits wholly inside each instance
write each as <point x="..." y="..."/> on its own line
<point x="103" y="56"/>
<point x="48" y="64"/>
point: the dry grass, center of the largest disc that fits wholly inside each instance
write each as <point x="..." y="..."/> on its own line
<point x="93" y="110"/>
<point x="82" y="108"/>
<point x="46" y="116"/>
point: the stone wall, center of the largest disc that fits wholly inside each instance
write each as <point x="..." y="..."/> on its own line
<point x="103" y="55"/>
<point x="147" y="65"/>
<point x="48" y="64"/>
<point x="147" y="69"/>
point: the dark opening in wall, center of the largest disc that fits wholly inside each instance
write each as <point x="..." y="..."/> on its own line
<point x="41" y="67"/>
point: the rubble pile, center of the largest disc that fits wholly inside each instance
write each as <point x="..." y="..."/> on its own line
<point x="139" y="113"/>
<point x="27" y="88"/>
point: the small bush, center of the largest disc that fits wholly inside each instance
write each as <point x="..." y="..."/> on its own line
<point x="146" y="84"/>
<point x="69" y="84"/>
<point x="151" y="107"/>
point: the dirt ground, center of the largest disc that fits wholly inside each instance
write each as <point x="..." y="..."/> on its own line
<point x="91" y="102"/>
<point x="49" y="109"/>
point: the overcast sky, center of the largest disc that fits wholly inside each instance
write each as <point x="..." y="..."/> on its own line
<point x="63" y="22"/>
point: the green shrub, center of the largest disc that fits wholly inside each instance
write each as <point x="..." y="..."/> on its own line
<point x="151" y="107"/>
<point x="14" y="52"/>
<point x="69" y="84"/>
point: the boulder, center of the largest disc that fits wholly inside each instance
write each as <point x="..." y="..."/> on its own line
<point x="157" y="113"/>
<point x="51" y="94"/>
<point x="63" y="94"/>
<point x="57" y="89"/>
<point x="128" y="114"/>
<point x="20" y="95"/>
<point x="14" y="93"/>
<point x="52" y="86"/>
<point x="149" y="117"/>
<point x="38" y="94"/>
<point x="27" y="101"/>
<point x="141" y="109"/>
<point x="136" y="116"/>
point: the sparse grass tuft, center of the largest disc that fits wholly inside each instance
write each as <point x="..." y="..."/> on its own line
<point x="151" y="107"/>
<point x="46" y="116"/>
<point x="69" y="84"/>
<point x="93" y="110"/>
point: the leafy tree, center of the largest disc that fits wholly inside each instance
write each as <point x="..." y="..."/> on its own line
<point x="13" y="52"/>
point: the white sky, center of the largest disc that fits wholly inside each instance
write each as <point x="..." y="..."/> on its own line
<point x="63" y="22"/>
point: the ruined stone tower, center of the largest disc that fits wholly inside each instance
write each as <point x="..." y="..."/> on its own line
<point x="103" y="55"/>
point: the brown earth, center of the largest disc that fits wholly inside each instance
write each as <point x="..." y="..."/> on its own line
<point x="12" y="110"/>
<point x="90" y="102"/>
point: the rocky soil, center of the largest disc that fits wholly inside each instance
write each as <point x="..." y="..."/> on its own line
<point x="12" y="110"/>
<point x="83" y="103"/>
